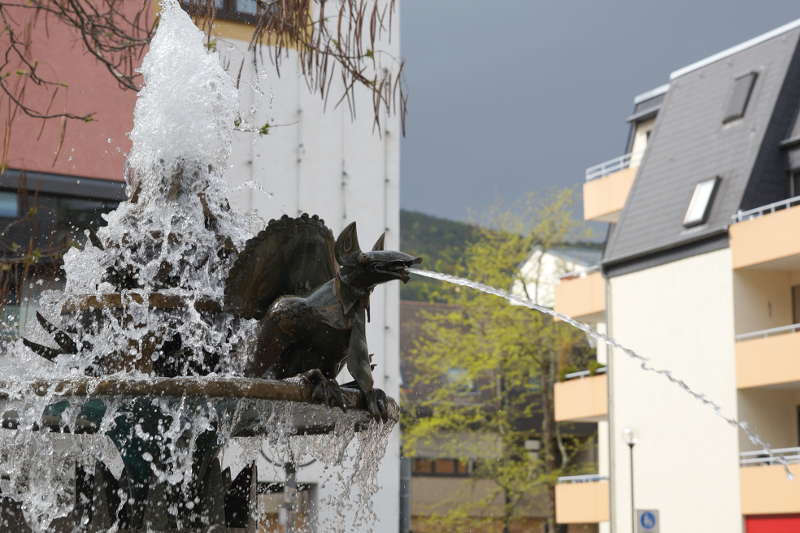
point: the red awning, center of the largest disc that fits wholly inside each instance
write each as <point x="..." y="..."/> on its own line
<point x="784" y="523"/>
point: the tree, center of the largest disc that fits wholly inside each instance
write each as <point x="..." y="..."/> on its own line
<point x="487" y="369"/>
<point x="330" y="43"/>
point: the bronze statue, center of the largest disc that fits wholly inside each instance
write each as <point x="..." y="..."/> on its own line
<point x="311" y="295"/>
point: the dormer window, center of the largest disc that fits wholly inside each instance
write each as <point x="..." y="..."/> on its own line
<point x="700" y="204"/>
<point x="740" y="96"/>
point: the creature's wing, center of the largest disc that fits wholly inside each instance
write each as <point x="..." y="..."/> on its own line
<point x="291" y="256"/>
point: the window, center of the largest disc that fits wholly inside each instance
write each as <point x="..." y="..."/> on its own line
<point x="794" y="183"/>
<point x="460" y="377"/>
<point x="699" y="205"/>
<point x="423" y="466"/>
<point x="798" y="425"/>
<point x="8" y="204"/>
<point x="440" y="467"/>
<point x="239" y="10"/>
<point x="740" y="96"/>
<point x="445" y="466"/>
<point x="796" y="304"/>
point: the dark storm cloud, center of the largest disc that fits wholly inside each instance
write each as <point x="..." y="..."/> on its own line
<point x="512" y="96"/>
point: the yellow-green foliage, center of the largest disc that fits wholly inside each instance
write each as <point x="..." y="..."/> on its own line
<point x="487" y="369"/>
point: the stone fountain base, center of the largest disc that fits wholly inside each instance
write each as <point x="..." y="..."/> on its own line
<point x="129" y="438"/>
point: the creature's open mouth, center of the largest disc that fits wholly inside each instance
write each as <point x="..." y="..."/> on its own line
<point x="398" y="269"/>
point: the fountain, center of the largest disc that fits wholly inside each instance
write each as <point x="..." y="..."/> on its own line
<point x="125" y="424"/>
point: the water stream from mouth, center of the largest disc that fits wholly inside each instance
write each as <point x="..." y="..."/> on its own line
<point x="644" y="361"/>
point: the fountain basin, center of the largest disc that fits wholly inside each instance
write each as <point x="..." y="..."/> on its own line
<point x="135" y="453"/>
<point x="305" y="417"/>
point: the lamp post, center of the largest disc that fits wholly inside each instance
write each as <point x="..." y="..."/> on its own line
<point x="630" y="440"/>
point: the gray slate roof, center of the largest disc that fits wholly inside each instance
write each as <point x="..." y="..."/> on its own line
<point x="690" y="144"/>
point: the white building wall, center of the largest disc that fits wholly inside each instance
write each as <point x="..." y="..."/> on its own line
<point x="541" y="273"/>
<point x="319" y="161"/>
<point x="680" y="315"/>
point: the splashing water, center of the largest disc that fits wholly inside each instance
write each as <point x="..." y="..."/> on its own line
<point x="144" y="298"/>
<point x="644" y="361"/>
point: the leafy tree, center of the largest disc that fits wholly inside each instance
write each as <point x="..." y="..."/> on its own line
<point x="332" y="41"/>
<point x="484" y="374"/>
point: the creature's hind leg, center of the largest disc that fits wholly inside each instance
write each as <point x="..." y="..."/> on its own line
<point x="272" y="343"/>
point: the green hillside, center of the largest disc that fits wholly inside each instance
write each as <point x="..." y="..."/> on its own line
<point x="439" y="241"/>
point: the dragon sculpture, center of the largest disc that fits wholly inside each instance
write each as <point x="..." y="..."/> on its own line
<point x="311" y="296"/>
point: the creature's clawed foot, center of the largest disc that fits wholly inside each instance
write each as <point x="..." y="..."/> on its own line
<point x="324" y="390"/>
<point x="377" y="404"/>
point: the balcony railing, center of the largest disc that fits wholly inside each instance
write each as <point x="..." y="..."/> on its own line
<point x="584" y="373"/>
<point x="580" y="273"/>
<point x="585" y="478"/>
<point x="780" y="205"/>
<point x="608" y="167"/>
<point x="763" y="458"/>
<point x="764" y="333"/>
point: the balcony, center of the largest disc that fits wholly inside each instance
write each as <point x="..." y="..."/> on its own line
<point x="766" y="237"/>
<point x="768" y="358"/>
<point x="582" y="296"/>
<point x="582" y="399"/>
<point x="765" y="488"/>
<point x="582" y="499"/>
<point x="606" y="189"/>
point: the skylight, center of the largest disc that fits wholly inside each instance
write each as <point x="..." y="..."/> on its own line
<point x="700" y="204"/>
<point x="737" y="103"/>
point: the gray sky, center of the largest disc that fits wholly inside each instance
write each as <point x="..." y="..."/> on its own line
<point x="513" y="96"/>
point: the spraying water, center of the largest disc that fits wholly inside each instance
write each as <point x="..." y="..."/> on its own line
<point x="644" y="361"/>
<point x="143" y="298"/>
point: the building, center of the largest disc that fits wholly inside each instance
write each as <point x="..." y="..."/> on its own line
<point x="701" y="275"/>
<point x="313" y="160"/>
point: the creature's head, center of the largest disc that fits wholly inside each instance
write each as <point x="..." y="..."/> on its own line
<point x="364" y="270"/>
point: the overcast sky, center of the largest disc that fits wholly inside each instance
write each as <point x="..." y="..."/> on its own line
<point x="512" y="96"/>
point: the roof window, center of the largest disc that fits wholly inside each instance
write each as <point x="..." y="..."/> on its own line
<point x="740" y="96"/>
<point x="700" y="204"/>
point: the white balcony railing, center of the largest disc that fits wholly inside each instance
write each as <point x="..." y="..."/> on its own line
<point x="741" y="216"/>
<point x="580" y="273"/>
<point x="761" y="334"/>
<point x="608" y="167"/>
<point x="763" y="458"/>
<point x="584" y="373"/>
<point x="585" y="478"/>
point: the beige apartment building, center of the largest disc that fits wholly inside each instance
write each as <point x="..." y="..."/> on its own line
<point x="700" y="275"/>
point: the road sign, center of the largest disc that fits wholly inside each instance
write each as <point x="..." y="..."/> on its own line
<point x="647" y="521"/>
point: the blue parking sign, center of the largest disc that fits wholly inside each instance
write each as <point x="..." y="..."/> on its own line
<point x="647" y="521"/>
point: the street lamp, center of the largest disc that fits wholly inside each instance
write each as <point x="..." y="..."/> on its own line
<point x="630" y="440"/>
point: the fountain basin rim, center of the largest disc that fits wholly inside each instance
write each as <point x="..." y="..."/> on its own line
<point x="312" y="418"/>
<point x="155" y="300"/>
<point x="179" y="387"/>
